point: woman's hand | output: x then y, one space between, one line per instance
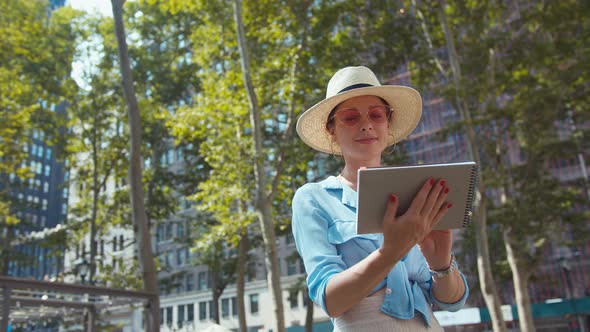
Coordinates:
415 226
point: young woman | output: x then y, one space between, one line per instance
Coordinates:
374 282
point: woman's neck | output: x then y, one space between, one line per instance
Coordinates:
349 173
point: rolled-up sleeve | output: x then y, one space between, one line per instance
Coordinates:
422 273
452 306
310 229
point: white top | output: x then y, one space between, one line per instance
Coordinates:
366 316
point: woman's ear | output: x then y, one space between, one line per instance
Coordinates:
332 132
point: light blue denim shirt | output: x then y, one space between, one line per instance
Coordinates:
324 227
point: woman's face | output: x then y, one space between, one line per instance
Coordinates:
361 127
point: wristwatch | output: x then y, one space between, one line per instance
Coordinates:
447 271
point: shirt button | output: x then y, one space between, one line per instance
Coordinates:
388 291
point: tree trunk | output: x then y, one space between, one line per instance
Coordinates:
262 201
520 277
241 280
216 295
95 193
308 312
144 246
520 273
488 287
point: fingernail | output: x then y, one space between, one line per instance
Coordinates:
431 182
442 182
450 205
446 190
392 198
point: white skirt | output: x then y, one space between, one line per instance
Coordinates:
366 316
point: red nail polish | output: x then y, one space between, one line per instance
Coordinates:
431 182
449 206
446 190
392 198
442 182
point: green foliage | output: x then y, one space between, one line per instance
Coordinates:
517 74
35 62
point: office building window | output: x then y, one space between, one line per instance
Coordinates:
169 316
180 230
224 308
171 155
202 280
291 266
234 306
169 258
190 312
180 315
211 309
190 282
47 170
293 299
202 310
169 231
253 303
160 233
161 316
189 256
180 256
251 271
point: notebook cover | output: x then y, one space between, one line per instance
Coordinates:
376 184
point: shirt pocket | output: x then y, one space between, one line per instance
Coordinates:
351 246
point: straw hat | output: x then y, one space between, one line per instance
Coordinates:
351 82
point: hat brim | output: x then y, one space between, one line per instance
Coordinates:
405 102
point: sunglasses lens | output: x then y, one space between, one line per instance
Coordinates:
351 116
378 114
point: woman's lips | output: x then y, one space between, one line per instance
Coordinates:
367 140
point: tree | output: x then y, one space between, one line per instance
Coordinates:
220 108
456 79
140 222
97 143
515 88
534 206
37 50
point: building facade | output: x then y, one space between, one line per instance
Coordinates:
43 201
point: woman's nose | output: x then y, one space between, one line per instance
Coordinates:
366 123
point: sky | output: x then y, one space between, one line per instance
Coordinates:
101 6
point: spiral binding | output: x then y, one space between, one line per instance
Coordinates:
470 197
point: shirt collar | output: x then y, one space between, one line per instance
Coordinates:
349 197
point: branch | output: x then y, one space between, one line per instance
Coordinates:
288 133
429 40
